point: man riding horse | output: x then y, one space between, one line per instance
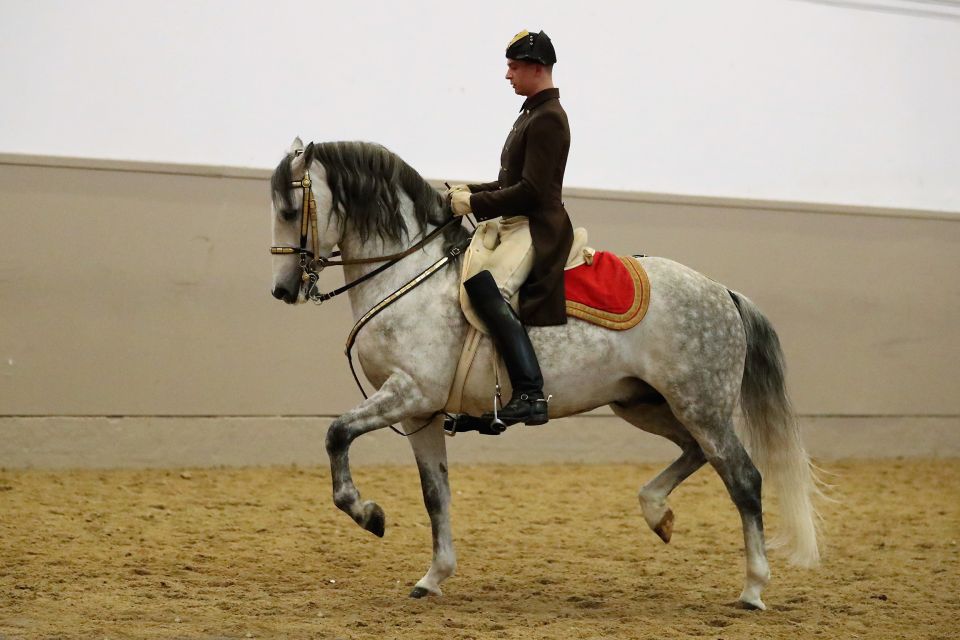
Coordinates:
527 197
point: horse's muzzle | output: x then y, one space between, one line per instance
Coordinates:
282 293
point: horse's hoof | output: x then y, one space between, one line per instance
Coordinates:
752 603
374 520
419 592
665 528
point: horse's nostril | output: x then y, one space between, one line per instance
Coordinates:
282 293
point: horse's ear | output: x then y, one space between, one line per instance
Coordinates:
308 152
296 146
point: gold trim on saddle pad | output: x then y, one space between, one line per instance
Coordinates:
619 321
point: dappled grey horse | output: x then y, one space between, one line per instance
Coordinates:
680 373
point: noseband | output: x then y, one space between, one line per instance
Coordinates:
311 263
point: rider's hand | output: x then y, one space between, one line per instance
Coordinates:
455 188
460 202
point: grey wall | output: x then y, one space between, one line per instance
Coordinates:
135 295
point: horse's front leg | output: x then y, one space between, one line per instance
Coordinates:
396 400
430 449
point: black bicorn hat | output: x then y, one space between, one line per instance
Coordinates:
535 47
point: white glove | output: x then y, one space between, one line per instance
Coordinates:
455 188
460 202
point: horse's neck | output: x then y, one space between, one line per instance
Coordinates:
364 296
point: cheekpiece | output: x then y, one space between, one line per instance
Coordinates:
534 47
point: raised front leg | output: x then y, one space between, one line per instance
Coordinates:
396 400
430 449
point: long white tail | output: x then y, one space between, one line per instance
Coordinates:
772 437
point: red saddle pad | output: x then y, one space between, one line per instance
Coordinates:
605 285
613 292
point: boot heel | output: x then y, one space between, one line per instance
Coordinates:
538 417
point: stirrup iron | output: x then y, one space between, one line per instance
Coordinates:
497 424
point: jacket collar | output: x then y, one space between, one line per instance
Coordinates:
537 99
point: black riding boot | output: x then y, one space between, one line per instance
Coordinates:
527 403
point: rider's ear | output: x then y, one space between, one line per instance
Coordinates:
296 146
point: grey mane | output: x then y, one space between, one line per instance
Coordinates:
364 178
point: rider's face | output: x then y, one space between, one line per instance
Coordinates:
522 75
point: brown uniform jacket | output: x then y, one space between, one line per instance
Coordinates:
530 183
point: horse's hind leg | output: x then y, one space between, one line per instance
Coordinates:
659 420
727 455
430 449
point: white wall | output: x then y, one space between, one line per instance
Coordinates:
774 99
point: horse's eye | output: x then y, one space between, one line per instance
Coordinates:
289 214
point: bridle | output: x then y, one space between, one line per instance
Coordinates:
311 263
308 221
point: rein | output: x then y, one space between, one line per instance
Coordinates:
393 297
386 302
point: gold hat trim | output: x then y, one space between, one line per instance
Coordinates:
518 37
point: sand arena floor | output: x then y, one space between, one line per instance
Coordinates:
544 552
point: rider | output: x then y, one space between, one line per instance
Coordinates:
527 195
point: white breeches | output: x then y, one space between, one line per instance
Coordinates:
512 259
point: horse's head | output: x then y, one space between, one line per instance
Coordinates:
293 230
363 198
